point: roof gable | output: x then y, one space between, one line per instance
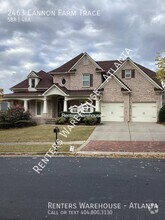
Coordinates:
71 64
119 81
55 90
33 74
149 74
90 58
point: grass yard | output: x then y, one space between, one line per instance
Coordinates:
32 148
44 133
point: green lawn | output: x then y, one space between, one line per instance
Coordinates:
44 133
32 148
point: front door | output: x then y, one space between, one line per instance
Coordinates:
60 106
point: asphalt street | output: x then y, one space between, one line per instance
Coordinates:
75 188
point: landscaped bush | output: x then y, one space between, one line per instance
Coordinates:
24 123
4 116
90 121
17 113
5 125
99 116
15 117
60 121
162 114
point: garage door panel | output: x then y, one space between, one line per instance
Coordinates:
144 112
112 111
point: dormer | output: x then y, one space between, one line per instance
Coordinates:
33 81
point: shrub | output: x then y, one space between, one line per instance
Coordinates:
99 116
24 123
60 121
17 113
14 114
5 125
11 116
162 114
90 121
4 116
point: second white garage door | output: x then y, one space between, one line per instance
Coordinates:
112 111
144 112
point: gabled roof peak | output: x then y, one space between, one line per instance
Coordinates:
32 74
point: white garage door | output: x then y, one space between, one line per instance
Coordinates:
112 111
144 112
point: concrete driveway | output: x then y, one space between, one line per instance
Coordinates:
132 131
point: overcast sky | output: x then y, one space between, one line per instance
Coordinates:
45 42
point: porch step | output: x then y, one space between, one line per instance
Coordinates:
50 121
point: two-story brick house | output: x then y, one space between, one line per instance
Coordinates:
132 93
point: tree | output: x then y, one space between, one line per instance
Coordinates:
160 63
1 95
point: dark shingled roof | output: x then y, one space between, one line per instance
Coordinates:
80 92
22 94
66 67
46 80
150 73
105 65
74 92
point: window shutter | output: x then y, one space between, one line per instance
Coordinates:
91 80
132 73
123 74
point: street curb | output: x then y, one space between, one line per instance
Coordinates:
121 154
118 152
89 154
32 154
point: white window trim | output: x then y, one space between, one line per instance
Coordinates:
128 77
86 81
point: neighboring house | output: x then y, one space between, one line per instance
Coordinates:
132 94
3 106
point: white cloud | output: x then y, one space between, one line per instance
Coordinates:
46 43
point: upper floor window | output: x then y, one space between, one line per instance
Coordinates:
33 84
128 73
63 81
86 80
